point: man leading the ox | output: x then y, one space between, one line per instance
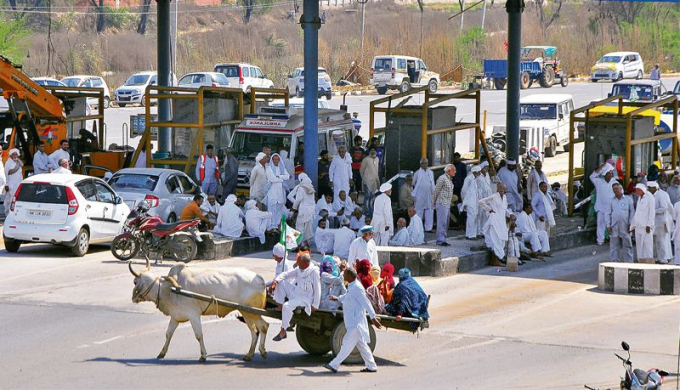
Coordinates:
307 292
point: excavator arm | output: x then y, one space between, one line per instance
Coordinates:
18 85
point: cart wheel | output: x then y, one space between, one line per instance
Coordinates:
313 342
336 342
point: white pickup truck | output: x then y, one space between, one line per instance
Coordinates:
549 112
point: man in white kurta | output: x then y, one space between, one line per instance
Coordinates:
41 161
14 175
663 223
276 196
3 178
60 153
325 202
340 172
676 233
285 288
257 222
383 221
364 247
62 169
343 206
343 240
307 292
416 231
602 179
643 224
211 209
510 177
496 228
423 192
618 218
469 194
324 238
540 244
355 307
302 197
258 178
544 208
401 237
483 191
230 219
534 178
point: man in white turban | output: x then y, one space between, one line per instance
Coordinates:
230 219
258 178
602 179
423 191
14 175
470 202
340 172
383 221
257 221
643 224
663 223
277 175
511 178
285 288
302 197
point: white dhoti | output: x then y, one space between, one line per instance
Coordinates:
427 215
539 240
471 222
662 244
482 216
382 238
351 340
277 210
644 243
282 291
287 311
601 227
544 227
677 252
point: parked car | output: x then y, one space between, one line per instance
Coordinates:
638 90
298 104
244 76
296 83
70 210
549 112
90 82
48 82
134 88
208 79
402 73
172 190
617 66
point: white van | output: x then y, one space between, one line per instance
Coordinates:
402 73
244 76
617 66
283 129
550 113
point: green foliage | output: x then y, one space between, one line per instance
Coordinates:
118 18
14 38
276 44
469 48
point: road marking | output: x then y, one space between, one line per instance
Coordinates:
83 346
107 340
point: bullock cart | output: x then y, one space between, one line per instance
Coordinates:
320 333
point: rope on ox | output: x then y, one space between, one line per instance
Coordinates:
213 300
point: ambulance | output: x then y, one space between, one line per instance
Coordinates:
282 128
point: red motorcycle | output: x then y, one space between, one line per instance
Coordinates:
149 234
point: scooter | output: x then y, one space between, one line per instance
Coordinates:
637 379
148 233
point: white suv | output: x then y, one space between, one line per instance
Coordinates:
617 66
70 210
244 76
401 73
90 82
296 83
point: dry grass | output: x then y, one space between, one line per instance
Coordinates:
275 43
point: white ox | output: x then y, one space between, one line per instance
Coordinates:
237 285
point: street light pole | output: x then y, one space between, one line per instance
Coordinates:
310 24
514 9
164 64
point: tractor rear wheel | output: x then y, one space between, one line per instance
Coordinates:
547 78
499 83
525 80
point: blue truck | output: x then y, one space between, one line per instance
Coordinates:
544 68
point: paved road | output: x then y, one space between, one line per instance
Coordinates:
69 323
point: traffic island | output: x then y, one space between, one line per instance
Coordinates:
637 278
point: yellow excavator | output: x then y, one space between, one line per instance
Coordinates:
31 114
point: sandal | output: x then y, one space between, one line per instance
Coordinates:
367 370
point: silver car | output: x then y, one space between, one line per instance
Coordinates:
208 79
170 189
296 83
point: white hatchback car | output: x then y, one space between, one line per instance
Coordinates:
70 210
244 76
208 79
296 83
170 189
90 82
618 66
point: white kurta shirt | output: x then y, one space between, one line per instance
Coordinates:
41 163
307 285
257 222
324 240
496 222
360 249
511 181
423 189
544 207
663 211
206 207
382 214
281 267
302 197
416 232
525 223
14 179
230 221
644 213
276 175
340 172
469 194
258 182
62 170
603 191
355 306
401 238
343 240
483 186
58 155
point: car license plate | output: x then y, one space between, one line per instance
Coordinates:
42 214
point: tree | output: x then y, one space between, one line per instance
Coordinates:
548 14
248 10
141 26
14 40
100 14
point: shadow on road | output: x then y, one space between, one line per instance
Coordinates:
49 250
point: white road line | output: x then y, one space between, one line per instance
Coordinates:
83 346
107 340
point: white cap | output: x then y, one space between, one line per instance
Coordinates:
606 169
511 162
15 150
279 250
652 184
385 187
260 156
476 168
230 199
640 186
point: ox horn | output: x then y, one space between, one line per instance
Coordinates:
148 263
131 270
